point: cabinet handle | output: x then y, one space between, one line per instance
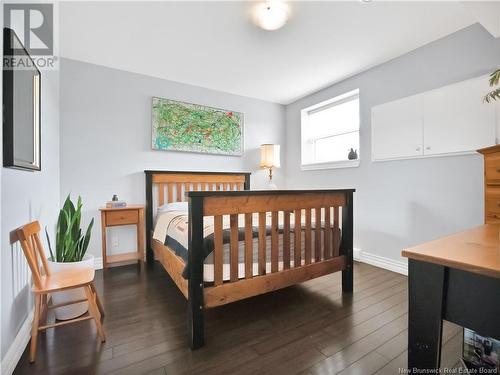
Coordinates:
498 170
428 147
417 149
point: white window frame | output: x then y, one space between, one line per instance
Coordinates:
340 99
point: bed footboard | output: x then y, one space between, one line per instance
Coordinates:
308 250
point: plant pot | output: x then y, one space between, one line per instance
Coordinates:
77 309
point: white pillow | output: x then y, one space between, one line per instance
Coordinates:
174 206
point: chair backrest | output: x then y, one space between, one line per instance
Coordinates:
29 236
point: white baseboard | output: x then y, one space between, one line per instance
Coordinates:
382 262
13 355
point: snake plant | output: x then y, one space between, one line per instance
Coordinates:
494 81
71 243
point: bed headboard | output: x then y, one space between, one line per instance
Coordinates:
171 186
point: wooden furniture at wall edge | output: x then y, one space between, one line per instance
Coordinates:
491 184
113 217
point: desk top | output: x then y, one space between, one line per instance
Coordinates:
474 250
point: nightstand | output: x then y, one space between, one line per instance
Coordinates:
112 217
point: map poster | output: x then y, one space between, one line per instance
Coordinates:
179 126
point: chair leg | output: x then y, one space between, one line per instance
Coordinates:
44 308
94 312
98 301
34 328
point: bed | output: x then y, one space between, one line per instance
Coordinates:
221 242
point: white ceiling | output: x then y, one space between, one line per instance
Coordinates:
215 45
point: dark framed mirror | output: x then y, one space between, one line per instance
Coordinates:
21 106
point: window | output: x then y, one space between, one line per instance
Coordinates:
328 132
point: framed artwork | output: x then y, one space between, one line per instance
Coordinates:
481 354
179 126
21 106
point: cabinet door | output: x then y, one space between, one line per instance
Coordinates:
397 129
456 119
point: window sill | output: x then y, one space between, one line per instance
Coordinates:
331 165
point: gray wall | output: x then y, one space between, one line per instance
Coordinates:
27 196
402 203
106 137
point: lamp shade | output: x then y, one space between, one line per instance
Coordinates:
269 156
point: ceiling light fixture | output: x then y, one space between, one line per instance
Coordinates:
271 15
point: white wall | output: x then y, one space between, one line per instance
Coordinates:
106 138
402 203
28 196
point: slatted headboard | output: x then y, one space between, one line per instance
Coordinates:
171 186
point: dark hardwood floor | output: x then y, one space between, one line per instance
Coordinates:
305 329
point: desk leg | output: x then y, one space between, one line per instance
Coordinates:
103 237
426 284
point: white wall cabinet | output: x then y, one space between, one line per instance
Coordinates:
399 129
449 120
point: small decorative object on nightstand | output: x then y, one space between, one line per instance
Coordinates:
115 203
112 217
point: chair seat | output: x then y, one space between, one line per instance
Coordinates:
65 280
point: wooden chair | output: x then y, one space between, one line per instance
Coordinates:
45 282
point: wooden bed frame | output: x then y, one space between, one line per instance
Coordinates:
222 193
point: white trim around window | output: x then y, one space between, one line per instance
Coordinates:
331 165
309 135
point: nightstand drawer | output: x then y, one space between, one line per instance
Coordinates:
122 217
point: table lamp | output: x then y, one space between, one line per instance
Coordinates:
270 158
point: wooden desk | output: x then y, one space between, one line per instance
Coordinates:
111 217
456 278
